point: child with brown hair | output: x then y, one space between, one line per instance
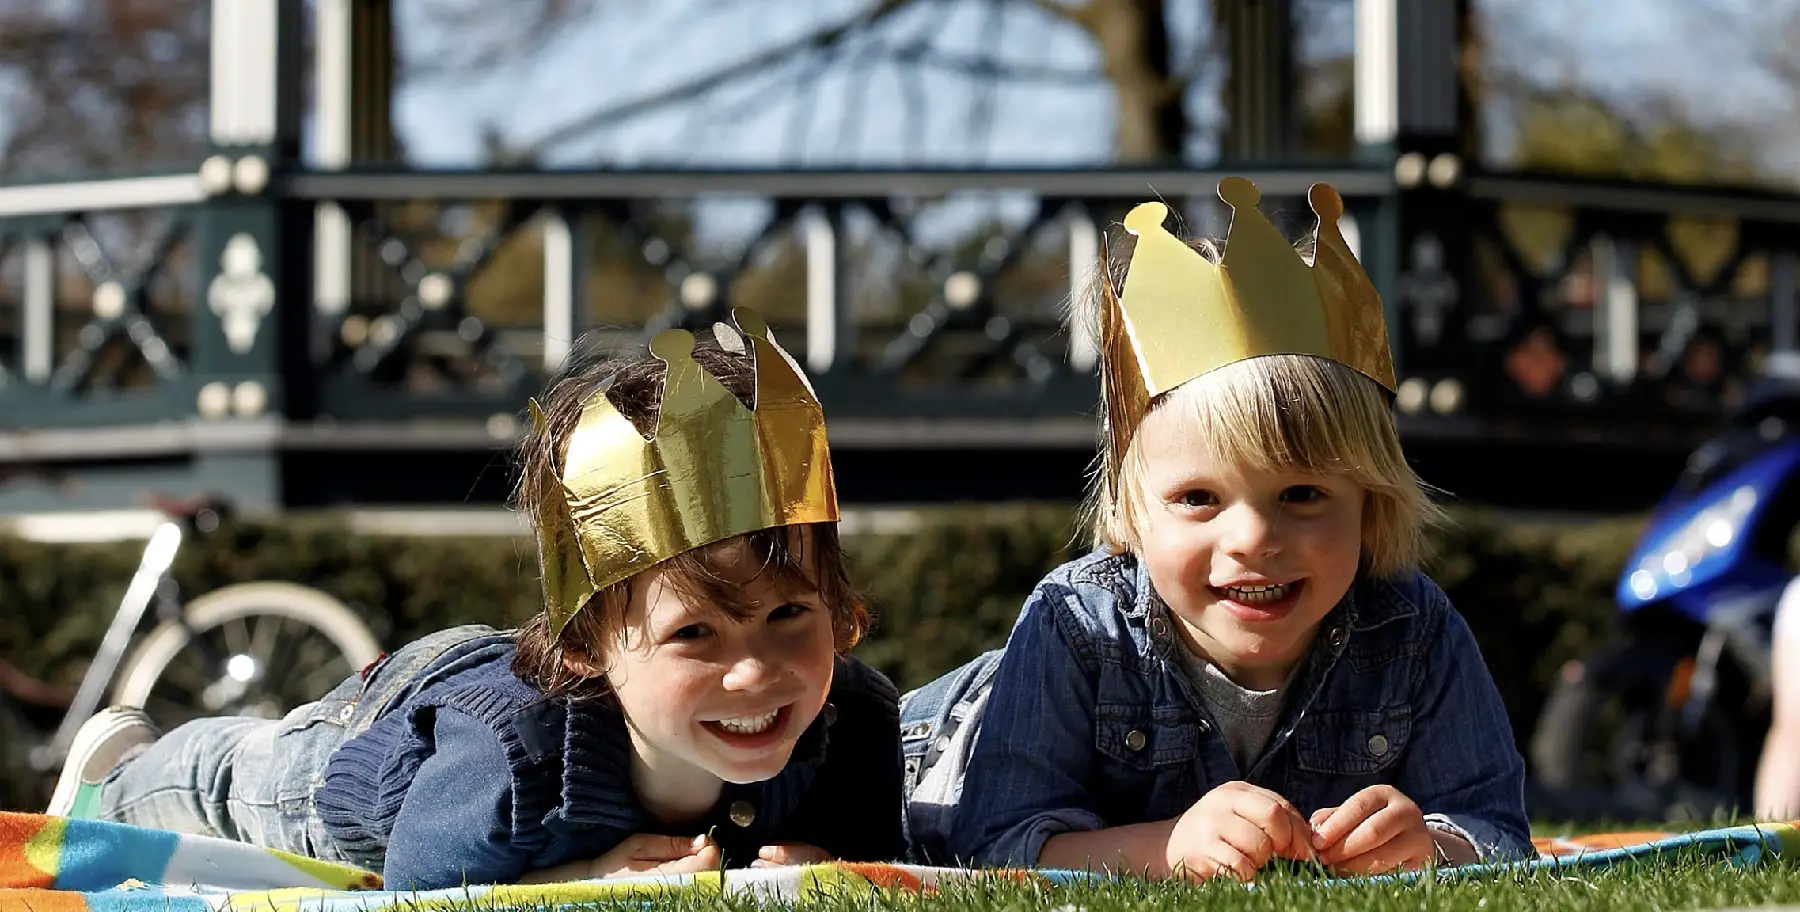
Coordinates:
684 701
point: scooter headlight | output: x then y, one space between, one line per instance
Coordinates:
1710 531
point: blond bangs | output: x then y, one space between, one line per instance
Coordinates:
1295 414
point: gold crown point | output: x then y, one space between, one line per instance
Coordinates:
1145 218
1239 193
751 322
1326 202
673 345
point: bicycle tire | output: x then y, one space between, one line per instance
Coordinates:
327 615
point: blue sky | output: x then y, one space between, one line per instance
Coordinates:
1638 53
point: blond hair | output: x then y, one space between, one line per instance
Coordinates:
1275 413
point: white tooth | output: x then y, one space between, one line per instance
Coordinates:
749 725
1256 594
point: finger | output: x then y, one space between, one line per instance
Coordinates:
1290 833
1246 837
1348 816
1320 816
1396 855
1220 859
657 848
706 859
793 853
1384 826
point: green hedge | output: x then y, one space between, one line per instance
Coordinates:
944 591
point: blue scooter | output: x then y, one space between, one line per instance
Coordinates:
1668 722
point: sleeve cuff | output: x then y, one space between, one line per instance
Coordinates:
1021 846
1491 843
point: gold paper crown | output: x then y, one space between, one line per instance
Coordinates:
1186 316
711 470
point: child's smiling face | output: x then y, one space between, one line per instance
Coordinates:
1249 560
709 695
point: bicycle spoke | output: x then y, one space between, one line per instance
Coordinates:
237 636
323 679
316 654
265 636
185 676
281 651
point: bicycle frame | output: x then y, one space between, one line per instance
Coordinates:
159 556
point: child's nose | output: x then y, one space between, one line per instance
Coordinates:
751 671
1249 533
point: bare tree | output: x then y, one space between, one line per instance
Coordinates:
100 86
1132 38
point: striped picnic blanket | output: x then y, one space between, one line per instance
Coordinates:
49 864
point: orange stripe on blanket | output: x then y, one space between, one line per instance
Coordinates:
1593 842
41 901
29 844
882 875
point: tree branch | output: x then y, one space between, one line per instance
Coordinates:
978 66
755 63
1082 15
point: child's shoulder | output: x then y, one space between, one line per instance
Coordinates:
1409 603
858 683
1098 579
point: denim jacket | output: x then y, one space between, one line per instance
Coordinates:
1085 720
460 772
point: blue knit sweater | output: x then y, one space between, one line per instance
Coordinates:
478 778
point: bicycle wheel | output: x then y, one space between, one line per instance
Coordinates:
255 649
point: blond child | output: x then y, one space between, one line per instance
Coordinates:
1249 666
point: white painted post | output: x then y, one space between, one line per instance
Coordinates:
1084 268
822 290
559 287
39 328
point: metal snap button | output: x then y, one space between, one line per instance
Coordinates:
830 714
1337 637
346 711
1203 725
1378 745
743 813
1134 740
1159 627
942 743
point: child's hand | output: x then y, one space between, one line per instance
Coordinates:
1234 830
1377 831
790 853
648 853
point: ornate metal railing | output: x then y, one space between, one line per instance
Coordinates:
273 326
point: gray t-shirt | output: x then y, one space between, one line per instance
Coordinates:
1246 717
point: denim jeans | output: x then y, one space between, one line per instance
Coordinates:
252 780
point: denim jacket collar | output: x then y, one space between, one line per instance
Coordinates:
1153 620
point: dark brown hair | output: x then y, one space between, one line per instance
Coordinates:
712 574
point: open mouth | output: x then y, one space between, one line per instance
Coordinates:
1267 602
1259 595
751 731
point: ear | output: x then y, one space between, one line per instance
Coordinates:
581 664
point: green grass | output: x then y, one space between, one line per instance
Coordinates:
1676 883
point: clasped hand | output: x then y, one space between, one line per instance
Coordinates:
1237 828
649 853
